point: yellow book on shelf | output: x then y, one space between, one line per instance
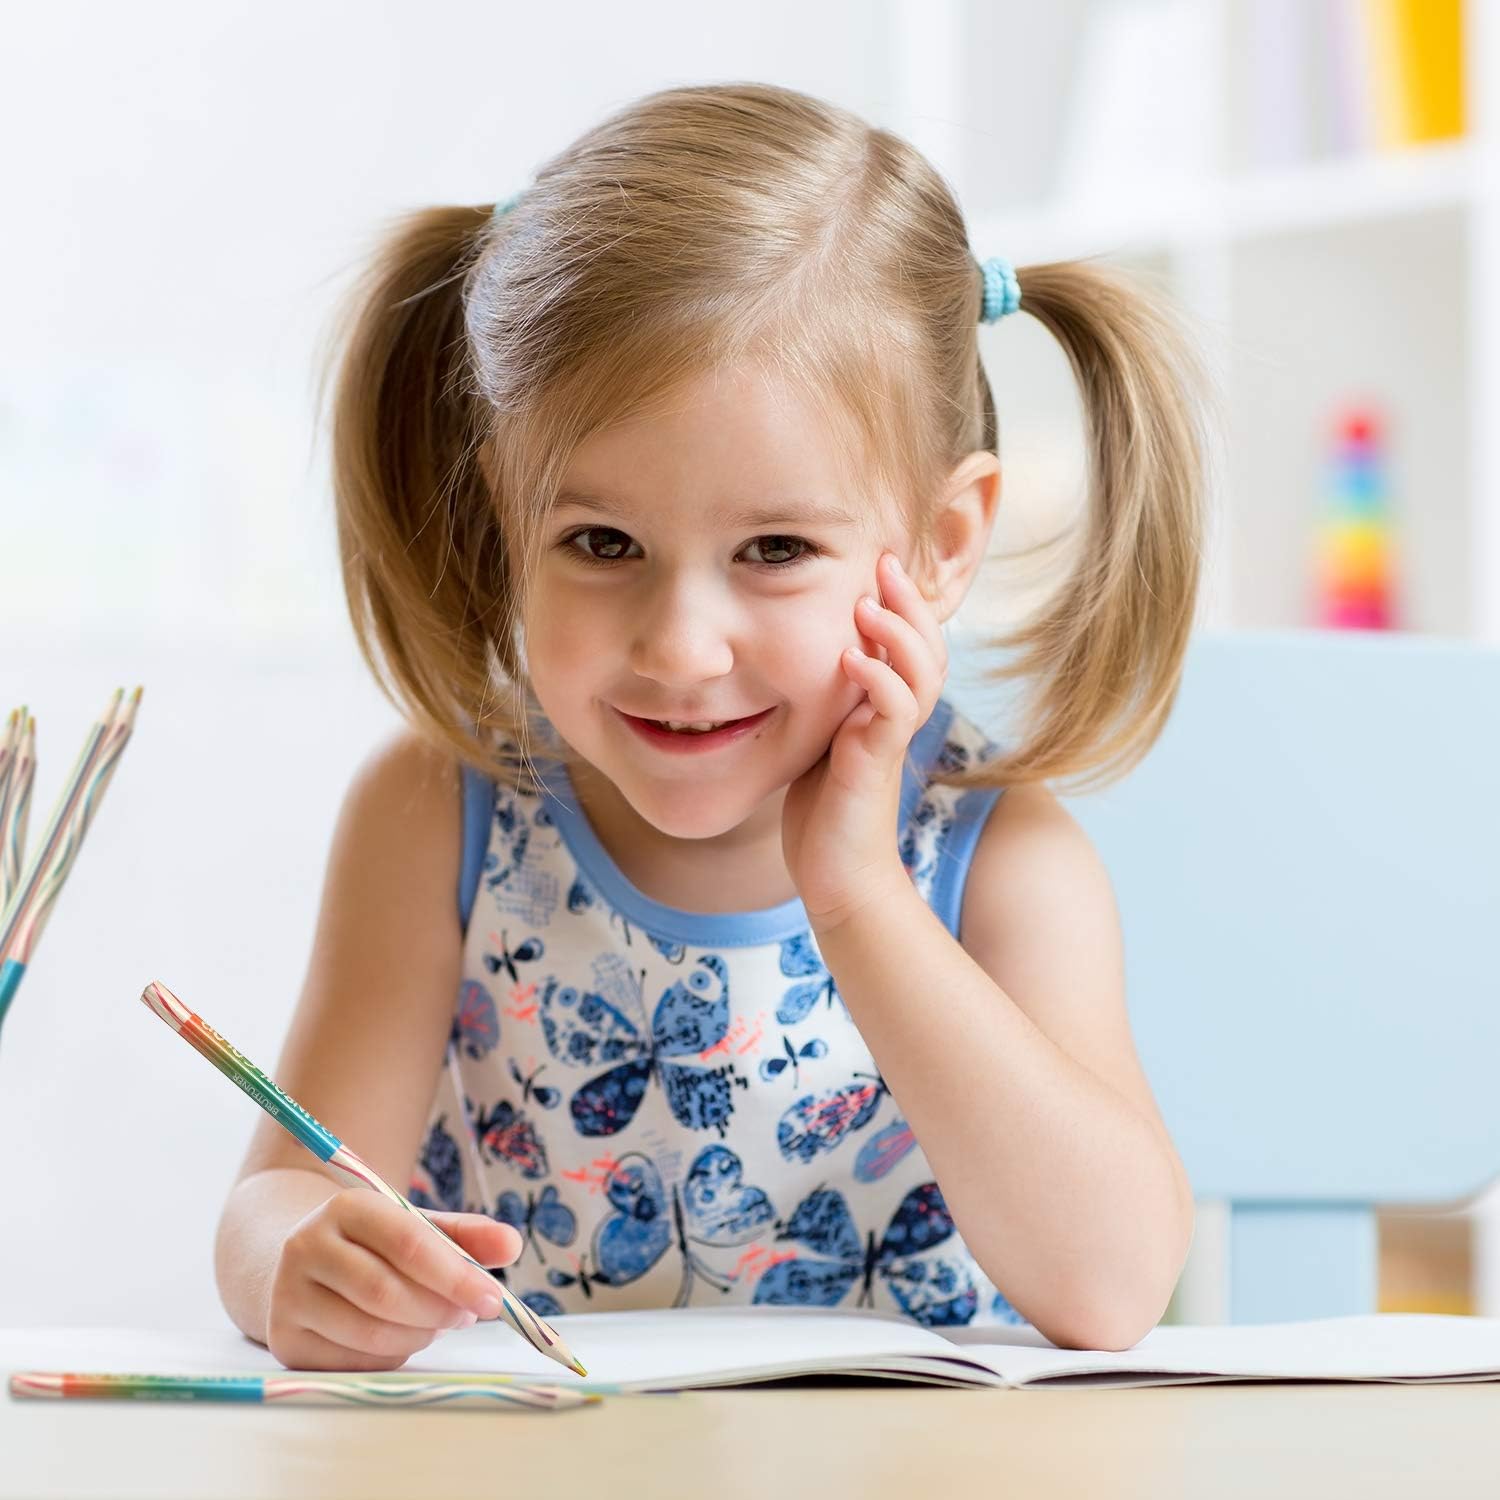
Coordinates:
1432 57
1416 56
1382 55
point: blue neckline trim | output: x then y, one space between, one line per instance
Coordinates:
717 929
479 808
970 814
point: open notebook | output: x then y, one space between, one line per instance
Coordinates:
679 1349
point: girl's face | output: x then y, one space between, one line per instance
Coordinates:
704 565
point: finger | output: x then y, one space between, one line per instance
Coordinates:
403 1239
341 1322
307 1349
865 623
898 591
908 651
897 712
490 1241
368 1281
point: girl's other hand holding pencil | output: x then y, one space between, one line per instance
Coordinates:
360 1284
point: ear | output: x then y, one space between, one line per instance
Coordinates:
961 532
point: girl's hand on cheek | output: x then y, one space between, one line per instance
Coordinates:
839 822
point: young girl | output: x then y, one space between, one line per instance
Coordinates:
685 952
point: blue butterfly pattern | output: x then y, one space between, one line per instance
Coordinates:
822 1122
936 1291
608 1025
476 1022
884 1151
443 1165
507 1135
521 885
544 1217
799 959
714 1208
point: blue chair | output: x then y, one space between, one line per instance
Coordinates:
1307 866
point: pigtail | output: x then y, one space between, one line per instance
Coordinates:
419 539
1104 653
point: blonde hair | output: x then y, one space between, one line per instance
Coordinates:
697 229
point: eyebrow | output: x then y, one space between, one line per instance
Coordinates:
806 513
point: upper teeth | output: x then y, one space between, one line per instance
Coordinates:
693 724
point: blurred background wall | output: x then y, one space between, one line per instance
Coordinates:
189 189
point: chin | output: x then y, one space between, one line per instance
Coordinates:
705 815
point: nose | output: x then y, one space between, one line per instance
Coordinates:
678 634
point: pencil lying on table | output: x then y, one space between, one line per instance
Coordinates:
328 1148
491 1393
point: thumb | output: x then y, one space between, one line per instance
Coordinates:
490 1242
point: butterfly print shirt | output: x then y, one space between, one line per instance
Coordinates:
676 1107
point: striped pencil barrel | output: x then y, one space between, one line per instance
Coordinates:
67 801
296 1388
28 928
17 771
328 1148
32 900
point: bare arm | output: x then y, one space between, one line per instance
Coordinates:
1020 1080
370 1027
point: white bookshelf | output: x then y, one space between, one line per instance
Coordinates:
1223 212
1309 285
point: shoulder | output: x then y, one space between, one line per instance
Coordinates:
1031 846
404 803
404 770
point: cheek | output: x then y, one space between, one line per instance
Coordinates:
561 637
809 636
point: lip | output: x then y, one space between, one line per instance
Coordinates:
694 744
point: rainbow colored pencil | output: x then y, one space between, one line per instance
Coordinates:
31 902
475 1392
329 1149
17 770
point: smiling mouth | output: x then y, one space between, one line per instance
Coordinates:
720 728
694 725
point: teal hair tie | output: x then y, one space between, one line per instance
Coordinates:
504 207
1002 292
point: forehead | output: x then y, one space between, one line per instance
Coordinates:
746 447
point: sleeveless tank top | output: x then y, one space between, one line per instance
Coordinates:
675 1107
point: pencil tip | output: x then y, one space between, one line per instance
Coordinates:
577 1368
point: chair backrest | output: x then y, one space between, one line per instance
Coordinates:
1307 866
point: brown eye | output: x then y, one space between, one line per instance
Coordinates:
612 547
779 551
607 544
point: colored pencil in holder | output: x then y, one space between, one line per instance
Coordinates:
330 1150
31 903
17 770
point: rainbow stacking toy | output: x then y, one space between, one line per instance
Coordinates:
1353 589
